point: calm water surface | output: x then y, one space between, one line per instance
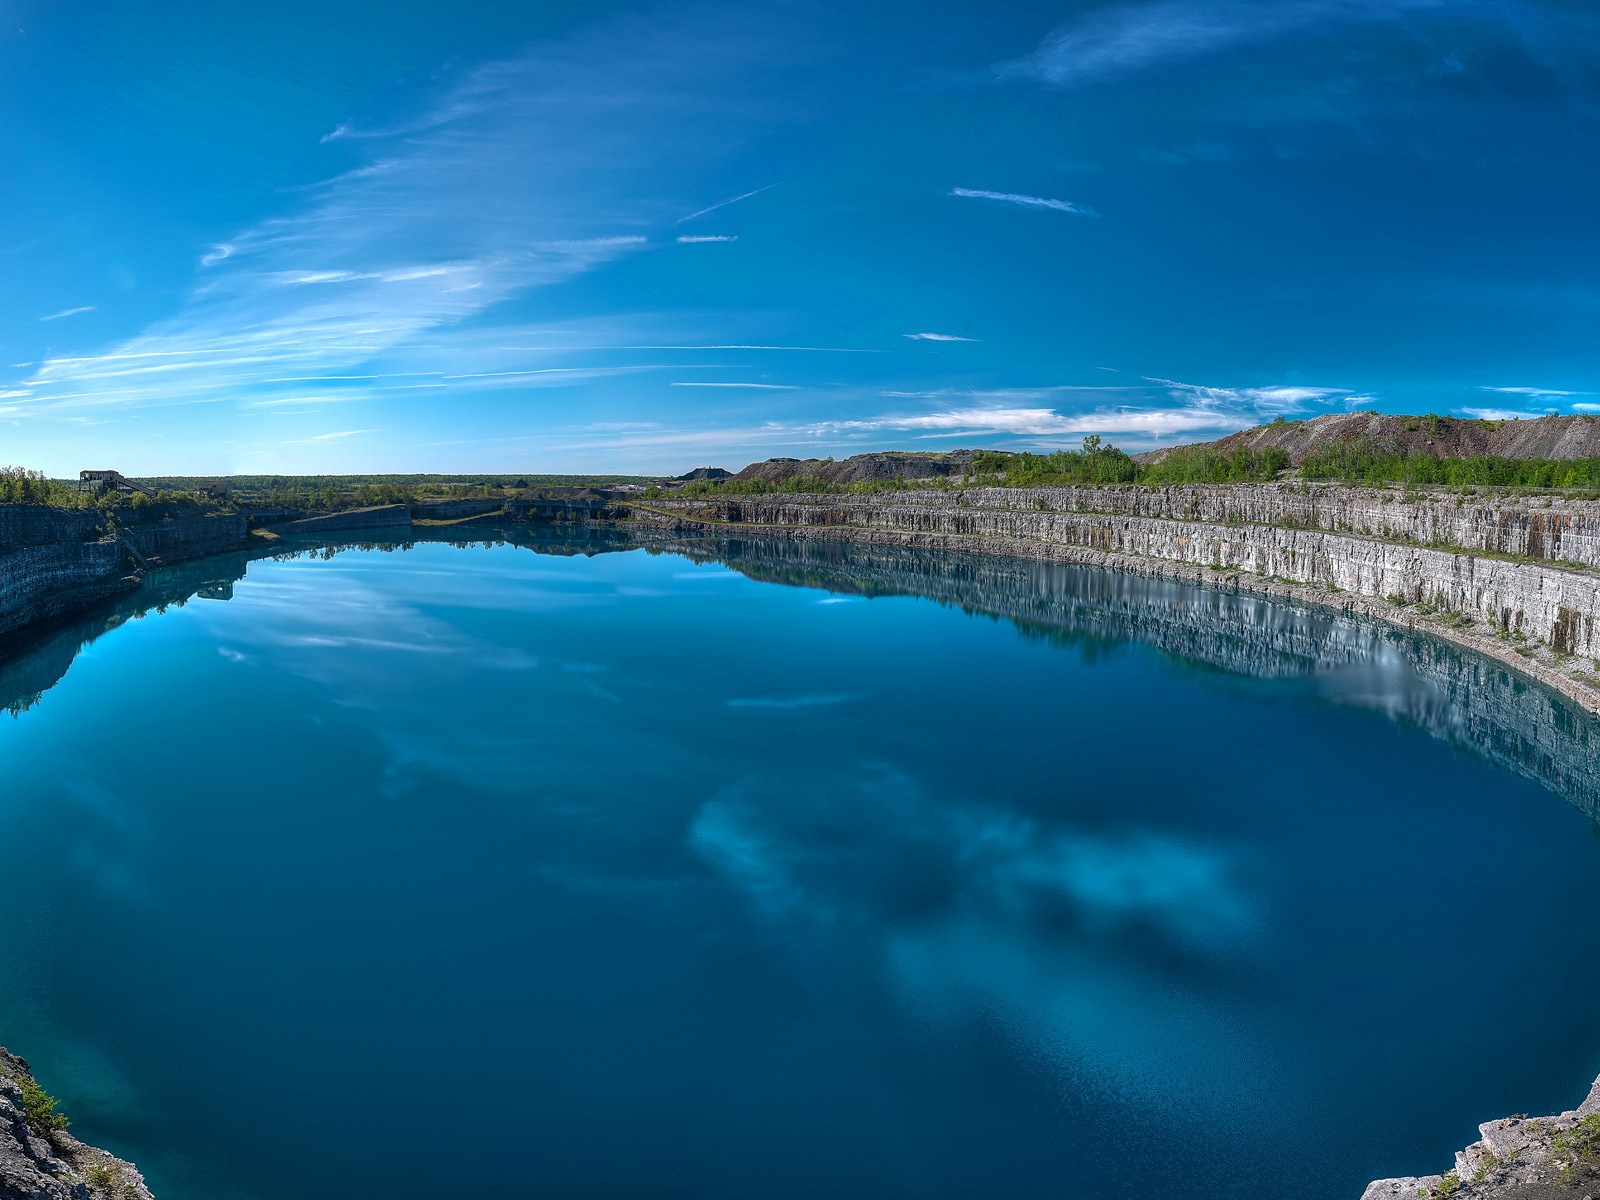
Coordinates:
479 871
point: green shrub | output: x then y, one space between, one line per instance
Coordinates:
1365 461
39 1110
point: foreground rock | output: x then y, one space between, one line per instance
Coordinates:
53 1165
1519 1158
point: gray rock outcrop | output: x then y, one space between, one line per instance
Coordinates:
1523 595
51 1164
1517 1158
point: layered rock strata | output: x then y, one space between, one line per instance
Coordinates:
1530 612
385 516
1461 699
54 562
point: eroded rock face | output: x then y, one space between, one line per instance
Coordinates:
1370 542
57 1167
54 562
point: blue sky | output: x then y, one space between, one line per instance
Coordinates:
412 236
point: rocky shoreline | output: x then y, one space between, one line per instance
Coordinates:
1516 1158
40 1161
1515 580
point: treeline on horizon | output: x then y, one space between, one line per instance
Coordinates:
18 485
1096 463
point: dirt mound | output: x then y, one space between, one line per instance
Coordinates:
1443 437
712 473
862 468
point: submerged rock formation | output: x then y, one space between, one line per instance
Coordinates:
1518 1158
40 1160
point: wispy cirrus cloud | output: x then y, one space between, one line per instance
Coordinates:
523 174
711 208
337 435
1043 202
987 420
1126 40
1271 400
766 387
69 312
1531 392
937 337
1143 415
691 239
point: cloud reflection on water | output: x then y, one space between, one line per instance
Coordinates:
1084 942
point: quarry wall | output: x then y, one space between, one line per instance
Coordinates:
1341 544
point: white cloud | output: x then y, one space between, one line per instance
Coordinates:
770 387
983 420
938 337
1065 206
1494 414
1275 399
1131 38
523 174
329 437
69 312
1533 392
724 203
699 239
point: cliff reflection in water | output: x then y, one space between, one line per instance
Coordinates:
1461 698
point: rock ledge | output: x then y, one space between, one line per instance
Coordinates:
58 1167
1518 1158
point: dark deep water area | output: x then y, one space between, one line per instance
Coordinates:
782 870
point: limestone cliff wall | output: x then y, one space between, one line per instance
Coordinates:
188 537
41 582
1459 698
1559 529
388 516
1269 531
36 525
55 561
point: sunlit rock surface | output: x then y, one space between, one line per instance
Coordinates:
56 1167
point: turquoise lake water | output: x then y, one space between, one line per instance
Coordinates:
493 870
